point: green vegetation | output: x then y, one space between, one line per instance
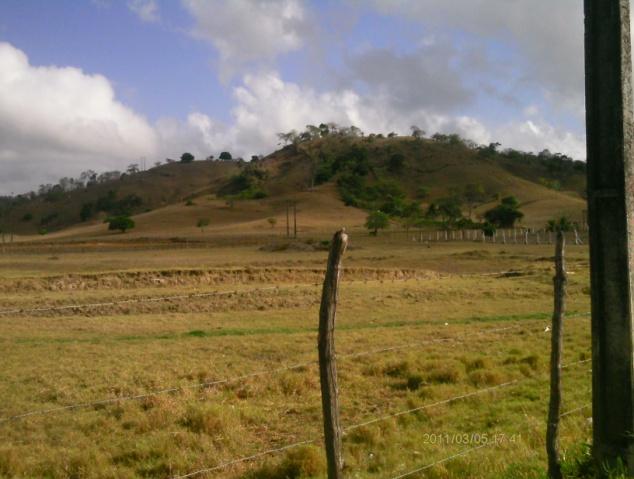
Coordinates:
377 220
248 184
202 223
121 223
560 224
187 157
505 214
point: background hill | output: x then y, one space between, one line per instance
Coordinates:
334 179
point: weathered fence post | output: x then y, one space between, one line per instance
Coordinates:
554 407
327 363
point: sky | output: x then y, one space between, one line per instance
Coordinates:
101 84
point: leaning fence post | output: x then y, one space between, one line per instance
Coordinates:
554 407
327 364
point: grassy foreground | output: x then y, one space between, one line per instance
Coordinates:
459 324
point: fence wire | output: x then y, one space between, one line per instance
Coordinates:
373 421
174 389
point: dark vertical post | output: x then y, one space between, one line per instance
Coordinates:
327 364
295 220
288 224
554 406
610 208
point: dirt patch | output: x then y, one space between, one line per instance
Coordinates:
199 277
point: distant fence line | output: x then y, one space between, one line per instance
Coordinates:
524 236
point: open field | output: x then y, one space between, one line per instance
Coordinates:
184 327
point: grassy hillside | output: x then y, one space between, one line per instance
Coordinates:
333 179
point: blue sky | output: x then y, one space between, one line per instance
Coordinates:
100 83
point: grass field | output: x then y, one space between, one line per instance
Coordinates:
461 319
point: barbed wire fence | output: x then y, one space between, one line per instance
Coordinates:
267 452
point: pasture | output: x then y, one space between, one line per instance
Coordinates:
189 356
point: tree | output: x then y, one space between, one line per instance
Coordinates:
187 157
377 220
559 224
449 209
417 132
473 196
505 214
226 156
132 169
121 223
272 221
86 211
202 222
395 163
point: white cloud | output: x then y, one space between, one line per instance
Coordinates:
146 10
545 37
247 31
267 105
56 121
537 135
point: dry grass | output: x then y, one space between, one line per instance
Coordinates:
51 359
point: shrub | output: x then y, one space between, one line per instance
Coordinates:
27 217
86 211
121 223
303 462
377 220
202 222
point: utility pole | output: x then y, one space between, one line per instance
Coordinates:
288 225
610 169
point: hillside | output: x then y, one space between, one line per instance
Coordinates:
334 180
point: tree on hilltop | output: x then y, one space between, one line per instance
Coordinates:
187 157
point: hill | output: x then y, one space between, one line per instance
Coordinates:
333 179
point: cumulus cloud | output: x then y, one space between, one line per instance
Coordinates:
537 135
546 38
57 121
247 31
60 120
426 78
146 10
267 105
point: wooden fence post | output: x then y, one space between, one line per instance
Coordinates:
554 407
327 363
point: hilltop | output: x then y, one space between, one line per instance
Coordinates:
334 179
